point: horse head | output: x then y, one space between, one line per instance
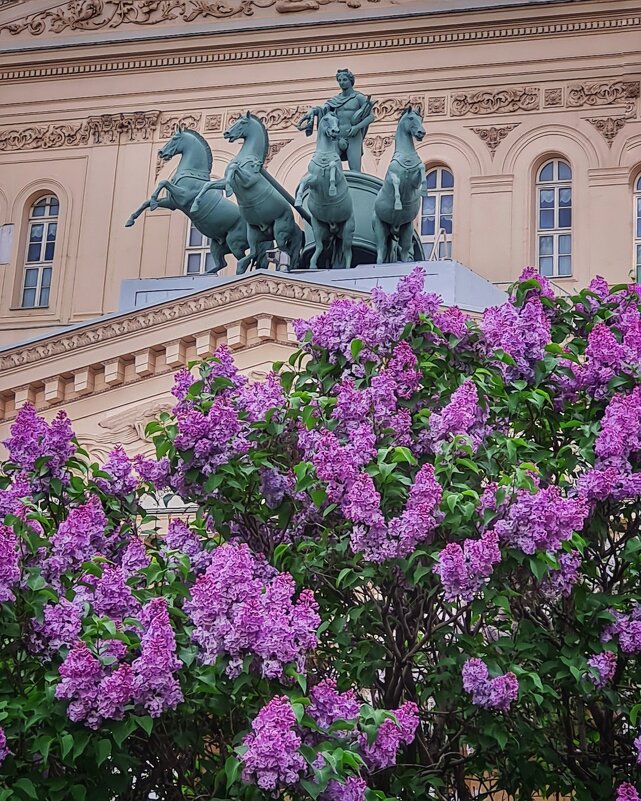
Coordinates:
412 121
238 129
173 146
328 124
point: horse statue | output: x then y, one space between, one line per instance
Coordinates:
329 201
217 218
399 199
268 214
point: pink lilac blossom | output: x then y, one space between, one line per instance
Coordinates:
112 597
9 563
626 792
60 627
242 607
605 665
352 789
4 749
272 759
154 685
81 673
328 705
559 582
464 570
521 333
461 416
497 693
78 538
122 480
115 691
391 735
33 438
541 521
184 540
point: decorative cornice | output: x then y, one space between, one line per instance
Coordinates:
277 118
486 102
494 135
176 309
539 30
170 122
106 129
95 15
391 107
602 93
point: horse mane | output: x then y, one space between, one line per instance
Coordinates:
262 125
204 143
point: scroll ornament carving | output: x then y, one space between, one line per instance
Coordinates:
378 144
392 106
523 98
94 15
213 122
603 93
276 147
169 123
127 429
494 135
275 119
105 129
608 127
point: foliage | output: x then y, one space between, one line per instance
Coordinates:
413 564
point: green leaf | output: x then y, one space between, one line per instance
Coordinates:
634 714
103 750
356 347
66 743
232 767
145 723
26 785
78 792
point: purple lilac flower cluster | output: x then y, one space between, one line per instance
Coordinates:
60 627
33 438
559 581
328 705
180 538
541 521
4 749
461 416
78 538
241 607
135 557
497 693
391 735
112 596
9 563
626 792
605 665
122 479
627 628
452 321
464 570
354 788
12 499
272 758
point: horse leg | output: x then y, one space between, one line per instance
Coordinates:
405 242
298 200
210 185
322 238
381 235
288 237
153 199
261 254
218 251
165 203
348 238
236 239
254 235
398 206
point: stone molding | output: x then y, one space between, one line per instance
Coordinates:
275 148
325 48
169 123
499 101
378 145
601 93
608 127
494 135
135 126
278 118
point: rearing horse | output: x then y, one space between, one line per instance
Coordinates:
329 202
399 199
218 218
268 215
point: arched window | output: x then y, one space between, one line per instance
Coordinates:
637 228
198 259
39 252
437 212
554 218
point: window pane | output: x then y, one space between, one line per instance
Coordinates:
31 278
427 226
546 198
565 265
638 258
446 223
429 205
193 263
33 252
565 245
546 245
36 233
51 231
44 296
54 207
49 249
546 219
29 298
46 277
565 218
447 179
565 173
565 197
638 185
546 266
547 172
447 204
445 250
430 180
195 238
638 227
38 209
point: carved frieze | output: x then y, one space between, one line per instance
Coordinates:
94 15
602 93
436 105
608 127
391 107
494 135
170 122
278 118
213 123
106 129
378 144
522 98
553 97
274 148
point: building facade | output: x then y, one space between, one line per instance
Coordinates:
532 155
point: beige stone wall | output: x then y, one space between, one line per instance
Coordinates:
503 89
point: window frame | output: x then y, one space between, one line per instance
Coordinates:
40 265
636 227
438 192
201 250
561 236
